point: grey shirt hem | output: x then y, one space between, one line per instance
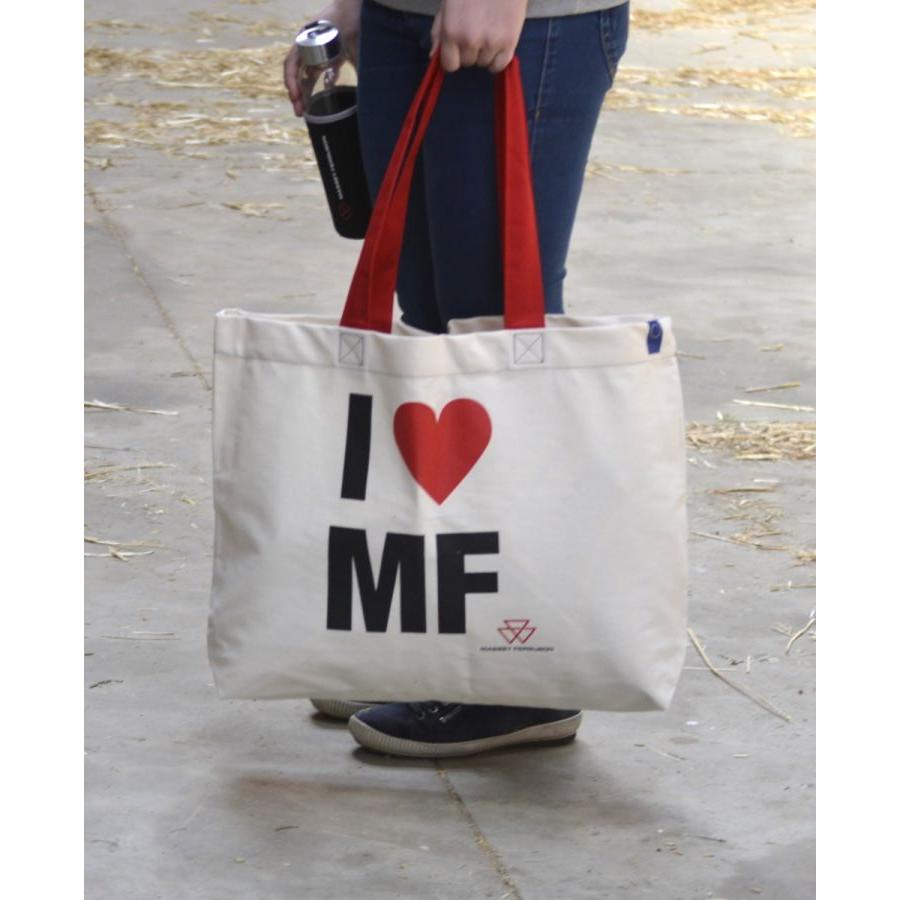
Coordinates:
537 9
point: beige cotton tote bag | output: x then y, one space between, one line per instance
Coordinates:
495 515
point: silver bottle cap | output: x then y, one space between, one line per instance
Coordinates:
319 42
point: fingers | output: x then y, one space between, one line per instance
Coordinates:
461 53
450 56
449 49
292 79
501 61
468 54
455 56
485 57
460 50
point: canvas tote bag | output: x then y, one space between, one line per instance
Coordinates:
495 515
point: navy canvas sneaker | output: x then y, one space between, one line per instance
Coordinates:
435 729
342 709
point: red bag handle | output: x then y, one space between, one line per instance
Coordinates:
370 300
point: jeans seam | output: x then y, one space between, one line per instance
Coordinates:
607 43
542 81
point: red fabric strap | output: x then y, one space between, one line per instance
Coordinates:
370 300
523 286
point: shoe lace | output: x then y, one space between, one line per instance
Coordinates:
443 712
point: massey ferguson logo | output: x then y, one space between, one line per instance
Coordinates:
516 634
517 631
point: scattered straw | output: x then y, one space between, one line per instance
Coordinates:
118 25
767 405
745 540
122 555
756 440
787 385
216 18
756 698
173 128
752 539
596 169
720 14
795 637
120 407
265 28
791 93
799 122
799 84
666 754
94 540
256 210
251 71
109 470
142 636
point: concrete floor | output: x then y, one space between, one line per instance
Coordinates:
706 219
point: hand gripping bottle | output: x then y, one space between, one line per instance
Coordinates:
328 88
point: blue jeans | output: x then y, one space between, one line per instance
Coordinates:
450 266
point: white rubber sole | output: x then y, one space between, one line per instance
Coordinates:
372 739
341 709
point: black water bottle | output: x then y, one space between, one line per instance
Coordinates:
328 88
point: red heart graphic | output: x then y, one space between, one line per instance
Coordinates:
440 452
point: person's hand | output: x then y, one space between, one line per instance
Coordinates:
476 33
344 15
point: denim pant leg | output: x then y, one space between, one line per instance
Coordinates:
392 63
450 266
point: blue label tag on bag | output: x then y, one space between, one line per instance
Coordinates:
654 336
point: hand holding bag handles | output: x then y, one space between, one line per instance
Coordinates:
371 297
